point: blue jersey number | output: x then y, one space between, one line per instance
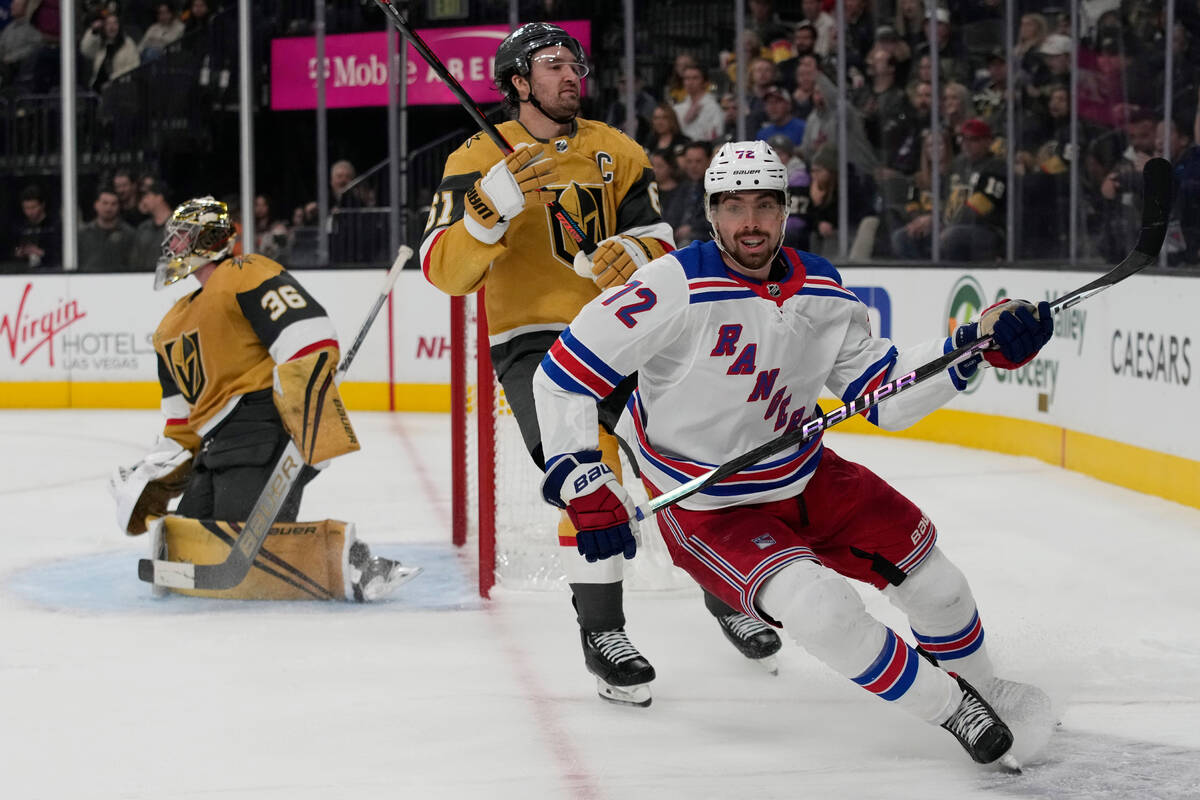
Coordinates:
625 313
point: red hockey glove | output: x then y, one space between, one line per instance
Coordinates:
599 507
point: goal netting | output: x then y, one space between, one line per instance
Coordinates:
497 506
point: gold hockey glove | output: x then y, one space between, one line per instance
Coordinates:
613 262
506 189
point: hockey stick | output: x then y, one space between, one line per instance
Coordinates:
243 551
1155 203
582 240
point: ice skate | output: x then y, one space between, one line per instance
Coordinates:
622 673
376 577
1027 711
978 729
755 640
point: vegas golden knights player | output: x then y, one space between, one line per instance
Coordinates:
488 228
245 362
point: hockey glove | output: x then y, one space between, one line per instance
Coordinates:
613 261
144 489
1018 330
599 507
505 190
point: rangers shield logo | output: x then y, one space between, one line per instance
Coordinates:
764 541
186 365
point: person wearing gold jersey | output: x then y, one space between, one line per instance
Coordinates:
245 362
489 229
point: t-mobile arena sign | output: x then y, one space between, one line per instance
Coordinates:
356 67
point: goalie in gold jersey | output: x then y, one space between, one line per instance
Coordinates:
245 362
488 228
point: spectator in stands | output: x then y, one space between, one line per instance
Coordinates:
672 197
1183 230
822 216
805 84
772 31
270 234
37 238
617 115
664 132
956 105
106 243
860 31
764 74
910 23
752 48
795 233
700 116
822 22
900 135
1056 65
148 237
889 41
341 175
780 119
19 43
109 50
696 157
674 91
977 199
882 99
1030 36
198 17
990 95
912 225
128 195
821 127
804 40
952 53
166 30
729 108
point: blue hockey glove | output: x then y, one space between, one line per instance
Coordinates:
1018 330
599 507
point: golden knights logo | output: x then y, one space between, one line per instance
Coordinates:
186 365
585 204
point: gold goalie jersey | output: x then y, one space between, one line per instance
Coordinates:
606 185
223 341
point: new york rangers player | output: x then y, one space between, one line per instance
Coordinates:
733 341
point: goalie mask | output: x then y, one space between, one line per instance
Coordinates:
198 232
745 167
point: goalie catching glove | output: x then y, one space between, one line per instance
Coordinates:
613 262
143 490
507 188
1019 330
599 507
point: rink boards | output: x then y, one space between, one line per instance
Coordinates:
1111 396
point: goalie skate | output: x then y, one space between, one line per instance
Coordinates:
755 640
622 673
1027 711
376 577
978 729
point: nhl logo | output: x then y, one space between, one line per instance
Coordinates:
561 145
774 290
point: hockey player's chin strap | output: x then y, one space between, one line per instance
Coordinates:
776 267
533 101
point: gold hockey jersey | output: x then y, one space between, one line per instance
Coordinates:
223 340
606 184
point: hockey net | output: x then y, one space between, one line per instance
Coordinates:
496 502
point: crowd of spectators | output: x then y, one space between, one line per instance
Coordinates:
790 50
789 53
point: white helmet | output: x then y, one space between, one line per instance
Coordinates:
744 167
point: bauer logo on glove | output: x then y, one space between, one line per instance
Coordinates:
517 180
599 507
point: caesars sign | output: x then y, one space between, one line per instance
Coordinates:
356 68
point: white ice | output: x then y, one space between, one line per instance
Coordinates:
105 692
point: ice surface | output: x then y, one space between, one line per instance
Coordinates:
105 692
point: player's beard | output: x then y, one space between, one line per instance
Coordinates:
752 258
562 105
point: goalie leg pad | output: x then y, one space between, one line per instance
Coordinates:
298 560
311 407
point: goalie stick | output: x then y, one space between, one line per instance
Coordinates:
243 551
576 232
1155 206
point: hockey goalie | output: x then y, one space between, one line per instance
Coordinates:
246 364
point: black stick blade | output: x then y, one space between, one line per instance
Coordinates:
1156 205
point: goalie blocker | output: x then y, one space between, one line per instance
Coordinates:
321 560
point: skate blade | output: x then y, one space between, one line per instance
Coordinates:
399 576
768 663
1008 763
636 695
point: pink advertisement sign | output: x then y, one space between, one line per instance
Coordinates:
356 67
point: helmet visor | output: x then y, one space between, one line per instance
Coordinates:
556 61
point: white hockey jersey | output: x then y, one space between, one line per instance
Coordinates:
725 363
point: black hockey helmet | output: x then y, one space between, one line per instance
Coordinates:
514 53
